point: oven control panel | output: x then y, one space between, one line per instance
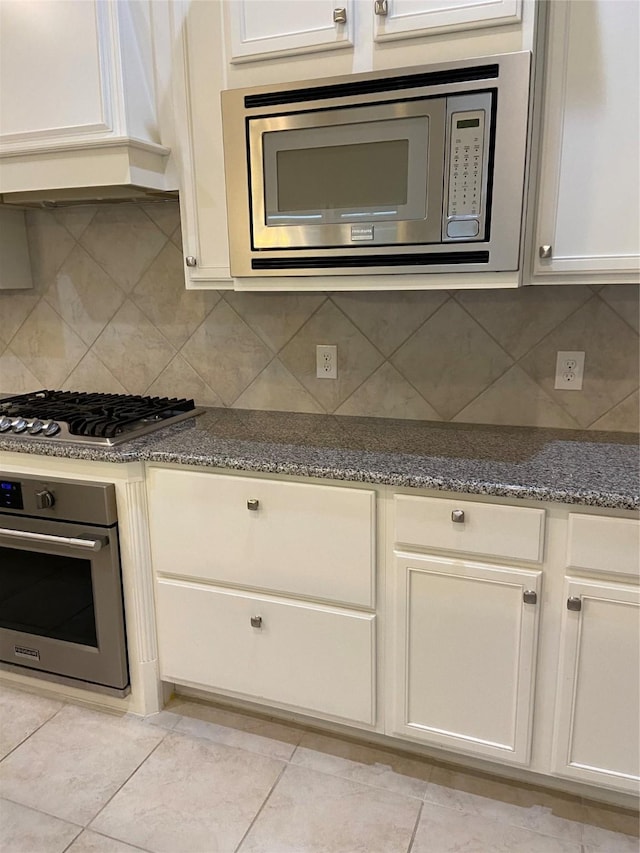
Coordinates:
11 495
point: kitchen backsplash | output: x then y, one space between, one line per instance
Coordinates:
109 312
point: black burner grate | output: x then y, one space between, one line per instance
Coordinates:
102 415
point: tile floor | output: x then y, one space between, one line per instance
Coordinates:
198 778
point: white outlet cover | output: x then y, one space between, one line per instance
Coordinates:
326 362
569 370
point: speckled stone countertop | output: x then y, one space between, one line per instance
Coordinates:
587 468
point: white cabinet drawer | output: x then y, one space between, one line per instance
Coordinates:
489 529
604 544
308 540
312 657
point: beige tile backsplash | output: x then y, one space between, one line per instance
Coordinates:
109 312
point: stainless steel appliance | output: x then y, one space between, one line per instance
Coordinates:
61 607
412 170
102 420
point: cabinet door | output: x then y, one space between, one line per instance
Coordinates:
598 707
306 656
465 656
260 30
588 213
198 78
395 19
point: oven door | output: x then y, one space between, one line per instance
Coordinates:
61 608
368 175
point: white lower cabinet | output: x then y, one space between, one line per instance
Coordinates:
265 589
597 735
466 639
316 658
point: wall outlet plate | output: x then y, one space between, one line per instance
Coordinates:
569 370
326 362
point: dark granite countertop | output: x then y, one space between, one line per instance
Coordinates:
576 467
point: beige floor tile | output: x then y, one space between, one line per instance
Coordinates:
378 767
244 731
20 715
311 812
549 814
92 842
73 764
606 841
24 830
443 830
191 795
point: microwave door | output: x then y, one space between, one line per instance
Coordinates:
341 177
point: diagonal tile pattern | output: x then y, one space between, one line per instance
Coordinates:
109 312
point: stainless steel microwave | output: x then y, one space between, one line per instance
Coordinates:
418 170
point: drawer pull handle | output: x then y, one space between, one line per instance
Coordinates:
256 621
457 516
253 504
530 596
574 602
340 16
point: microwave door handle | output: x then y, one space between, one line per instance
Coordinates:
88 543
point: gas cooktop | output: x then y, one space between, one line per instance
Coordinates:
102 420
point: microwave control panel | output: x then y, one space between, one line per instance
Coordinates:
467 151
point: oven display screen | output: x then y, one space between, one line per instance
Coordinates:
10 495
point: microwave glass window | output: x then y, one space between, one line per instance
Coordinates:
338 177
48 595
346 173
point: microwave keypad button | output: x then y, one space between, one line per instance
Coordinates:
463 228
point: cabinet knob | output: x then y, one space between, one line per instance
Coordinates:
256 621
253 504
530 596
340 16
191 261
574 602
457 516
381 8
545 252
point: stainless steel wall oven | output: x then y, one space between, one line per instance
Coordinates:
61 605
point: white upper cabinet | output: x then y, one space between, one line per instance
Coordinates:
356 31
587 227
395 19
260 30
198 77
77 85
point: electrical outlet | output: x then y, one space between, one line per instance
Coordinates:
327 362
569 371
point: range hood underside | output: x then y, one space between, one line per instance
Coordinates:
112 172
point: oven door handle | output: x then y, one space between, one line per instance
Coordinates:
89 543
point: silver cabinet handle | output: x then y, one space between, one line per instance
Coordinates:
457 516
340 16
545 252
191 261
381 8
89 543
530 596
574 602
253 504
256 621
